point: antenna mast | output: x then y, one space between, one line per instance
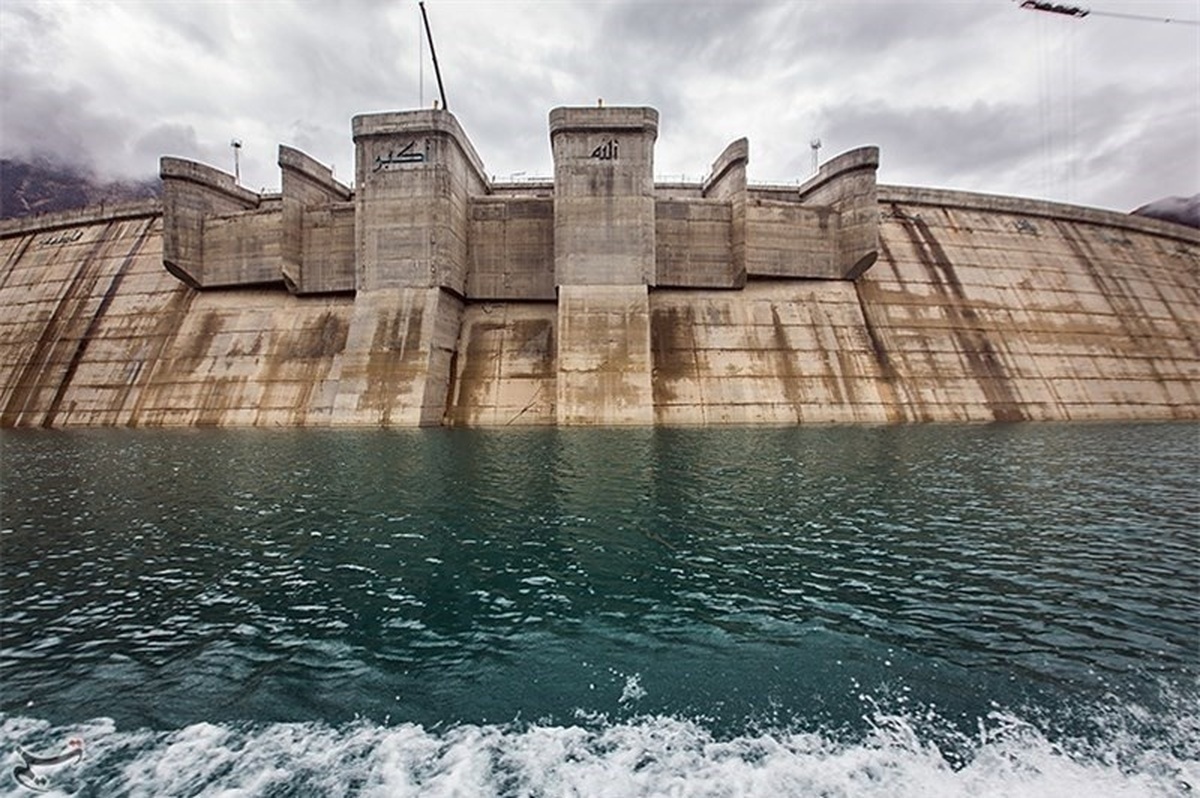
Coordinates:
433 52
236 144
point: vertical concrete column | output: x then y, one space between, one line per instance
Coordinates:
192 194
847 184
604 262
603 195
309 185
727 181
415 173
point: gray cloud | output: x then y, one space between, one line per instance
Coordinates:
975 95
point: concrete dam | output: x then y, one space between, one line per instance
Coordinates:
431 294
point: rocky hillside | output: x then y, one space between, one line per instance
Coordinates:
27 189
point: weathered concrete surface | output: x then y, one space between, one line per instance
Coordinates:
316 231
506 370
431 295
96 333
415 175
221 234
979 308
775 353
604 195
512 249
994 308
604 355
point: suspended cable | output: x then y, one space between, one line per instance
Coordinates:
1080 13
1145 18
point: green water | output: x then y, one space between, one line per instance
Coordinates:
426 603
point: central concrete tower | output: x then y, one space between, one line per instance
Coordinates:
604 262
603 195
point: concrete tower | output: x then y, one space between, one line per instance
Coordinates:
604 261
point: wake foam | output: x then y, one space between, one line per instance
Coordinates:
899 755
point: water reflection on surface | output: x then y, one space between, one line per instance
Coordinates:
168 577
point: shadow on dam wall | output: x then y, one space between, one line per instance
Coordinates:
976 309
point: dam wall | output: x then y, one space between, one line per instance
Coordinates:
430 295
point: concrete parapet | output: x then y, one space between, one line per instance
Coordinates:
309 181
637 119
427 121
209 241
317 228
221 189
47 223
604 363
727 181
416 172
847 185
1023 207
512 249
694 244
604 195
728 175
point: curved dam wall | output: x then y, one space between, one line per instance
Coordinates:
432 295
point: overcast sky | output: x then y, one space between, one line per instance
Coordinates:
975 94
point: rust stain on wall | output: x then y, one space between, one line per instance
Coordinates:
887 369
477 378
14 257
534 343
160 341
301 363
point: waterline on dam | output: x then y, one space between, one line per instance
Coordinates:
957 610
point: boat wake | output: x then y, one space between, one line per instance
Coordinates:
1126 753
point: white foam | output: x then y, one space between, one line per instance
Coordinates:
633 690
652 755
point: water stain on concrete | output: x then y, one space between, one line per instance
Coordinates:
672 351
56 341
789 374
887 386
94 324
981 358
394 362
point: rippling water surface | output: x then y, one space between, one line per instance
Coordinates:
932 610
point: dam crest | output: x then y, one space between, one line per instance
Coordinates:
432 294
